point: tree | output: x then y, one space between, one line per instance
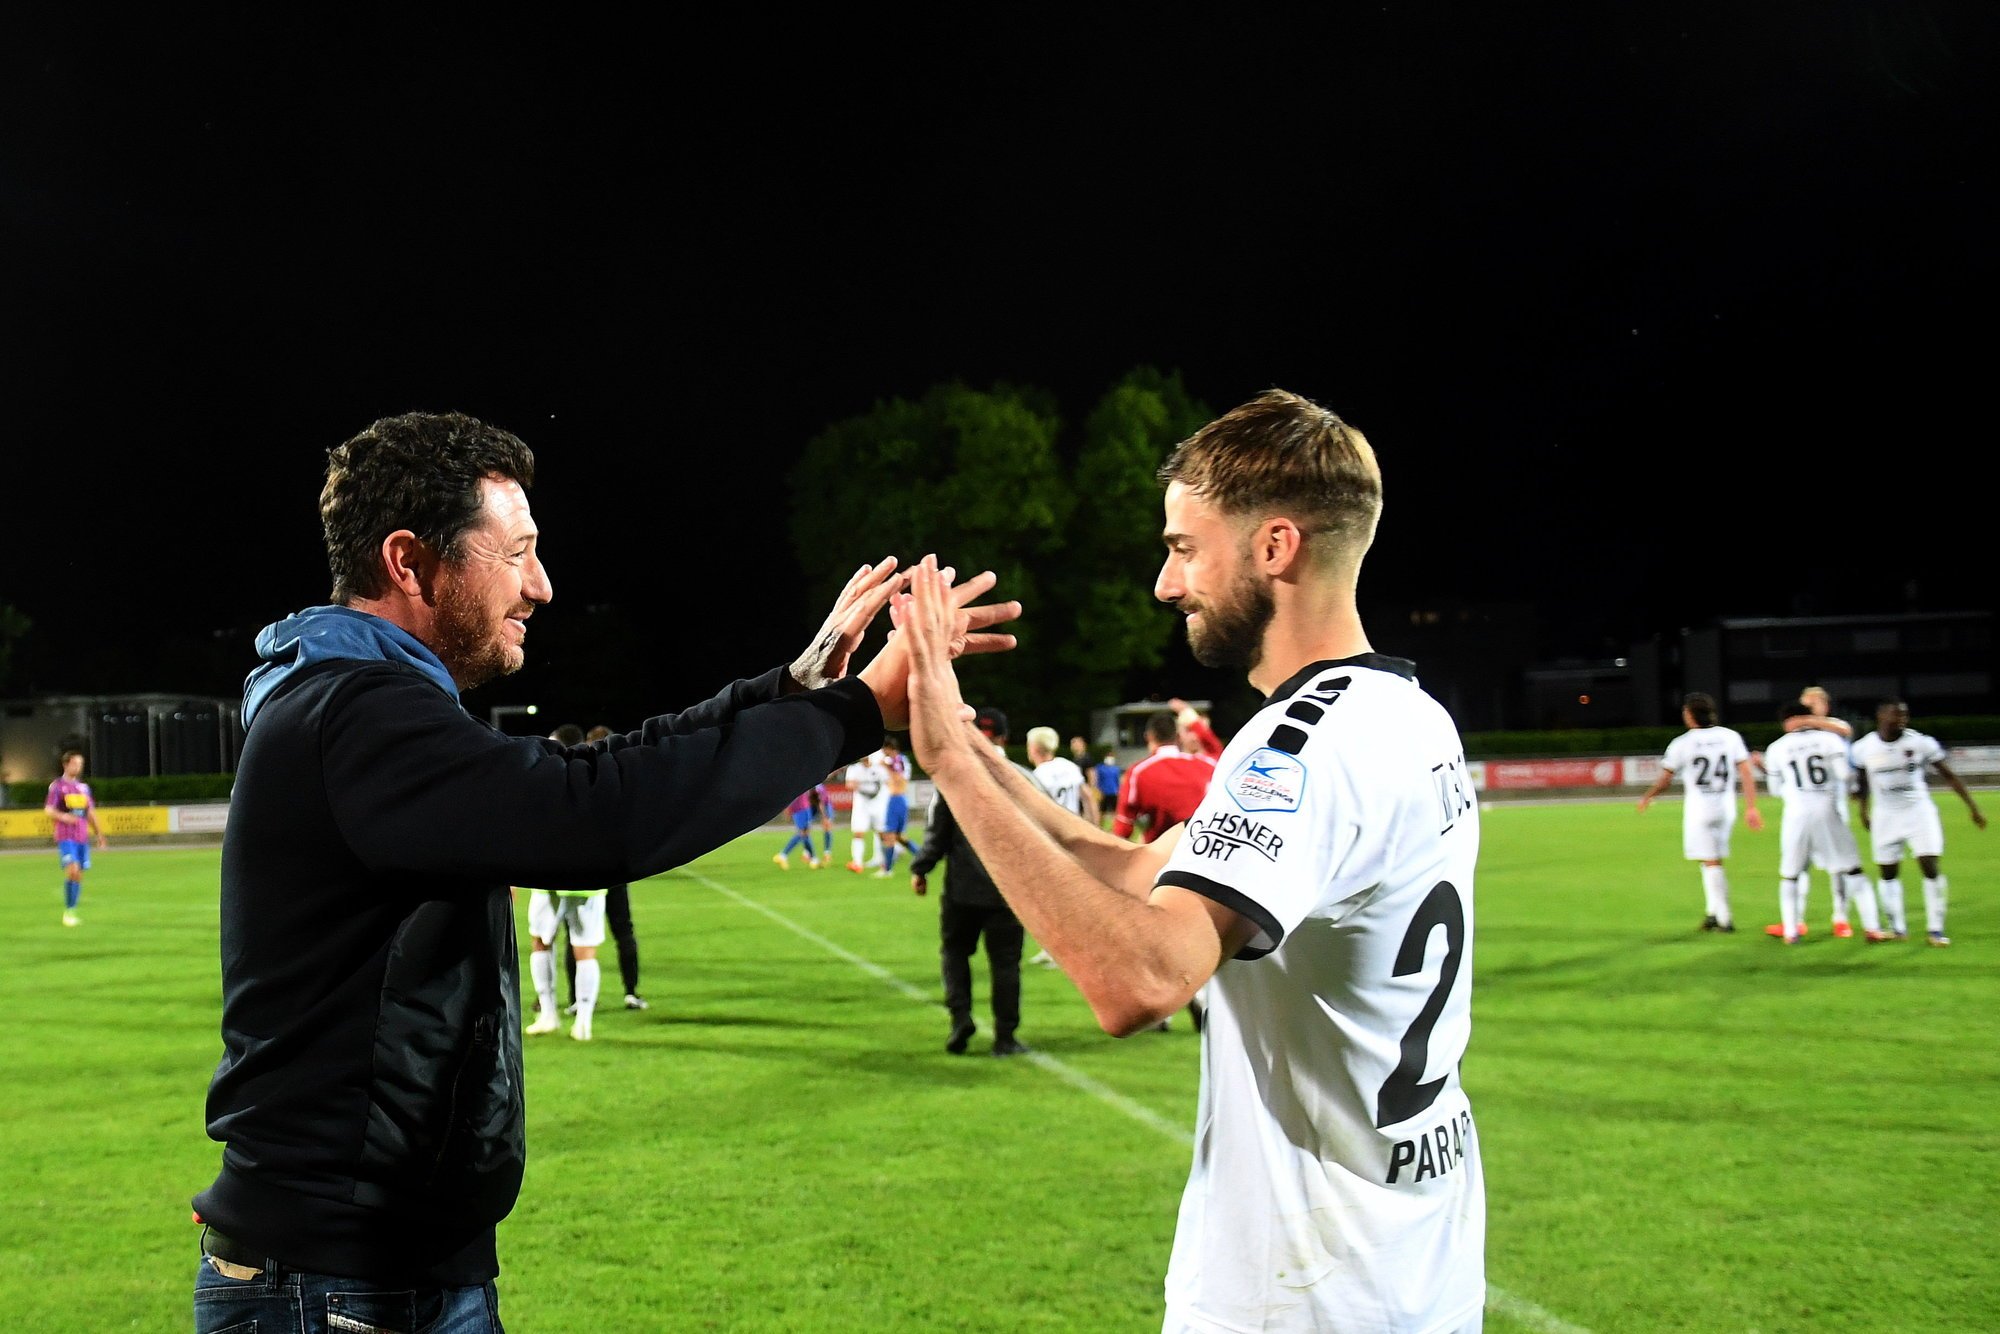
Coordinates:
976 476
1104 585
972 475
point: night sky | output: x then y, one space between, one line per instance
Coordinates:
1654 314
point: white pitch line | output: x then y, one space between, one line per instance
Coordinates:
1499 1302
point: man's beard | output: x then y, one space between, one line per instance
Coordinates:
467 644
1231 634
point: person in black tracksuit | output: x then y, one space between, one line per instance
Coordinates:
971 908
368 1099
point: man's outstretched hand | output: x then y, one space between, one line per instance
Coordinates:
957 628
825 659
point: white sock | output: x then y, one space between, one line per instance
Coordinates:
1862 894
586 988
1837 886
1892 905
859 850
1934 896
1791 906
542 968
1715 888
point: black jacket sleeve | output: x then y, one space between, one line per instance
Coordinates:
419 786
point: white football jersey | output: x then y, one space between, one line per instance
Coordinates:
1063 781
1808 764
1706 759
1336 1181
1898 771
867 776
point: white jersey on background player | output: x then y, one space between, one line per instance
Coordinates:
1342 823
868 784
1708 758
1903 819
1809 771
1893 765
1063 781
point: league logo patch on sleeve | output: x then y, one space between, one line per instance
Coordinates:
1267 780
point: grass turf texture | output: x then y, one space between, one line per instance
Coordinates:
1681 1131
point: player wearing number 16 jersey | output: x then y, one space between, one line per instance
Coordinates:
1709 758
1808 770
1321 893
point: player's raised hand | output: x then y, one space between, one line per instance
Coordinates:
968 629
826 658
928 621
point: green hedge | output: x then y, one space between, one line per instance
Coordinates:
133 791
1965 731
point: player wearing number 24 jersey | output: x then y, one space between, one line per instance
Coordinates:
1321 892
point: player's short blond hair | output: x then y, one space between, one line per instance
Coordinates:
1811 692
1043 738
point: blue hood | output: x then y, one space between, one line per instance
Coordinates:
324 634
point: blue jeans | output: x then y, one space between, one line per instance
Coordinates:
295 1303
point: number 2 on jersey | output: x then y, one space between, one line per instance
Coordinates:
1402 1097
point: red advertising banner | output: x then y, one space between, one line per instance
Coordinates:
1522 775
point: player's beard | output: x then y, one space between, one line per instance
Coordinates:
473 648
1231 632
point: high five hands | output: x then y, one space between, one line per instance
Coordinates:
927 621
958 628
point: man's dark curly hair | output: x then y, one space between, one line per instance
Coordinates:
419 471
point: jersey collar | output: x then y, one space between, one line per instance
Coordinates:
1376 662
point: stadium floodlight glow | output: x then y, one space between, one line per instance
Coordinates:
500 711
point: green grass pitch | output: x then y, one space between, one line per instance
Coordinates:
1681 1131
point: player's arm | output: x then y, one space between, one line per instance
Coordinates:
1197 727
1105 856
1665 777
1839 727
1751 815
1135 960
90 817
1945 772
1861 794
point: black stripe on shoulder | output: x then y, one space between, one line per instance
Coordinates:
1235 902
1306 712
1287 738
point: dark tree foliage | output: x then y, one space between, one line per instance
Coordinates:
978 476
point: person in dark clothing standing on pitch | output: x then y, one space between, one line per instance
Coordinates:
368 1099
968 909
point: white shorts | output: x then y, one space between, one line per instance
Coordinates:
1705 827
1917 832
868 812
583 912
1813 833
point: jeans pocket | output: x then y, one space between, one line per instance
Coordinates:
380 1312
225 1305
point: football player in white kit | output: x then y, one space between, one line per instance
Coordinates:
1893 764
1709 758
1808 770
868 782
1323 893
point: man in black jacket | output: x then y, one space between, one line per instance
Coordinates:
369 1094
970 908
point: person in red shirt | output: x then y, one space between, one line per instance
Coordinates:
1197 736
1163 789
